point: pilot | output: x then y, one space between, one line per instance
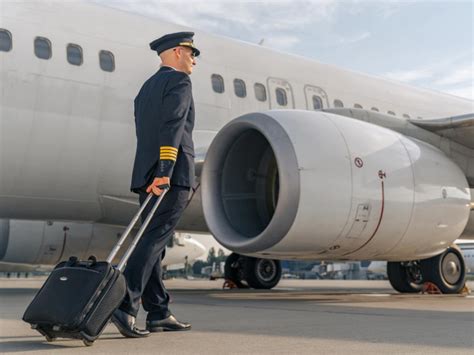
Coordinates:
164 120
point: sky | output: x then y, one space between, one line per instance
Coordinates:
423 43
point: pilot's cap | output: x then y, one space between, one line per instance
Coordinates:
172 40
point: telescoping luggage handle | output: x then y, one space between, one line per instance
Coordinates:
135 241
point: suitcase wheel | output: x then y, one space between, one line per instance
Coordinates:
49 339
87 342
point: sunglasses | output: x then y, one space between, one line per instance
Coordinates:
191 54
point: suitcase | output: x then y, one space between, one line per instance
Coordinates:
79 297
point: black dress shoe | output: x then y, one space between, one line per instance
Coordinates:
125 323
168 325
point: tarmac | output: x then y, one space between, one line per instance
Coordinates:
297 317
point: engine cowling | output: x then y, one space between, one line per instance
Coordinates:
302 184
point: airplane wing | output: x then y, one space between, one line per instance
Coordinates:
459 129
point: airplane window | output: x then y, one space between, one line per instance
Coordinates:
239 88
391 113
43 48
317 102
375 109
74 54
260 92
217 83
338 103
5 40
357 106
107 61
406 115
281 97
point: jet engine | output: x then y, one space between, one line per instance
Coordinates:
301 184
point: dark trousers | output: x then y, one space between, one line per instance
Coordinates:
143 271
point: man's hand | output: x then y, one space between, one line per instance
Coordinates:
157 183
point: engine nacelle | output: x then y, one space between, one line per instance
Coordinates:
302 184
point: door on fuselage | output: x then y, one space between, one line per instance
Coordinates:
280 94
316 98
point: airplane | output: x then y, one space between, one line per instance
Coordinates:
181 249
296 159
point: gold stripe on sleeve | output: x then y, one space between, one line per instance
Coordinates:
168 152
167 157
169 148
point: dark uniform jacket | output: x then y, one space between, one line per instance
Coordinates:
164 120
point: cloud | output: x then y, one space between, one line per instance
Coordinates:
454 77
263 15
340 40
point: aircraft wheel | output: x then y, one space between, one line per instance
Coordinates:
446 270
233 269
405 276
262 273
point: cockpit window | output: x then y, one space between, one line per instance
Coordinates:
107 61
43 48
74 54
5 40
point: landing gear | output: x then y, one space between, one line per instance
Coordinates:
262 273
245 271
233 269
405 276
446 271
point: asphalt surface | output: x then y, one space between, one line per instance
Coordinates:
298 317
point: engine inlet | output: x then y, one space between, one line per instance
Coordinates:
249 200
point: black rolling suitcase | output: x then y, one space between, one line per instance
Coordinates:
78 298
